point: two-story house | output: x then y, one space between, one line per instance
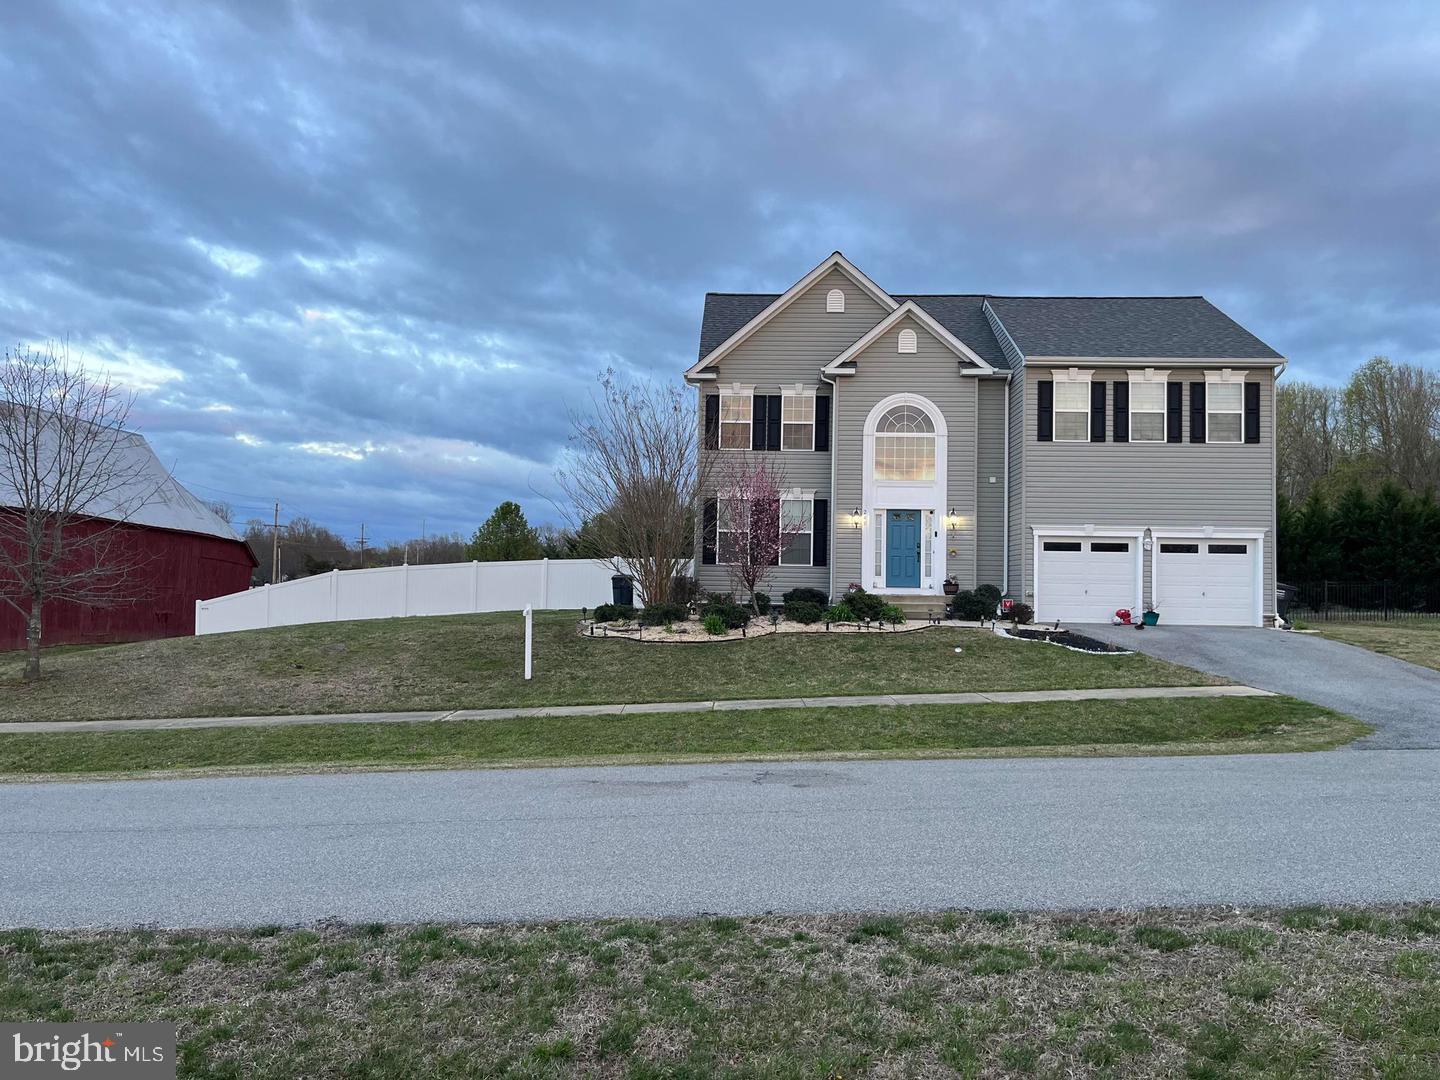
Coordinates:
1082 453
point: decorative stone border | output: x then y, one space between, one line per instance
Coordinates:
695 632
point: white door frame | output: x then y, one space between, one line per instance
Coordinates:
927 496
1255 536
1086 532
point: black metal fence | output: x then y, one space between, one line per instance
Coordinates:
1345 601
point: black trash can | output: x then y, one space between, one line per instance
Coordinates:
1284 594
622 590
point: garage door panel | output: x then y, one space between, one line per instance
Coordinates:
1205 582
1085 580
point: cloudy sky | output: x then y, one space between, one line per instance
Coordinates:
360 256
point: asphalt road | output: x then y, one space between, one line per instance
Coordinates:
680 840
1402 700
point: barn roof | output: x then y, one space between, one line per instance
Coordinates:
148 496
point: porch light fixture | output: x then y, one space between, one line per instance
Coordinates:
953 519
857 519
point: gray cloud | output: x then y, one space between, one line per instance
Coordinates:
361 257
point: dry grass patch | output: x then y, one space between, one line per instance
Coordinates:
1299 992
1415 641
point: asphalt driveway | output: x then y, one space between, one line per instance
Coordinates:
1402 700
686 839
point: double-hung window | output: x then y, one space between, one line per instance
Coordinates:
1072 410
728 532
735 417
1147 407
797 526
797 415
1224 410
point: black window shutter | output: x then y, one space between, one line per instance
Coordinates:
820 522
1252 412
822 426
708 520
1175 407
1097 411
1045 419
773 442
1197 412
758 426
712 421
1122 412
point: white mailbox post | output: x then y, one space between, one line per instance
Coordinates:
529 633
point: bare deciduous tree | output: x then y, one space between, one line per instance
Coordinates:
753 529
1311 435
69 480
632 475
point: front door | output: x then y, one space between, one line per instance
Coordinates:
902 550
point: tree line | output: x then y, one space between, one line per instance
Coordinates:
1357 475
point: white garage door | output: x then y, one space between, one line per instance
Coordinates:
1084 579
1205 582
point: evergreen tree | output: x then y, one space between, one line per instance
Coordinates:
505 537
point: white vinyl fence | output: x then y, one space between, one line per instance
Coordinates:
391 592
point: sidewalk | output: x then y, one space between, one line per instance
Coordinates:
1014 697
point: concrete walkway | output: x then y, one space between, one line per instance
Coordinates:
1011 697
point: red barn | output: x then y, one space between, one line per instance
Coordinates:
184 552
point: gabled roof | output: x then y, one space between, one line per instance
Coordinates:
835 261
909 309
1140 326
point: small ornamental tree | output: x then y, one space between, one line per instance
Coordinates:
752 529
505 537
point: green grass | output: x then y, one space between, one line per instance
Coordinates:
1417 641
953 994
1183 725
476 661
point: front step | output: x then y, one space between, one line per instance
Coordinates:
919 608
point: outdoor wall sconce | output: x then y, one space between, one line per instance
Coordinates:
953 520
857 519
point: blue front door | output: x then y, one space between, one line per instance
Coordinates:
902 549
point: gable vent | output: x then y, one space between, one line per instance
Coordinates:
907 341
835 300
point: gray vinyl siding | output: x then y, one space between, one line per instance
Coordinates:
1139 485
931 372
990 407
790 349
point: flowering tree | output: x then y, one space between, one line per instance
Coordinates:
752 528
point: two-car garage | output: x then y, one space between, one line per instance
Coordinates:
1196 577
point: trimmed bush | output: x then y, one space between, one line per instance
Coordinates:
807 595
762 603
614 612
970 606
892 615
990 594
1022 613
723 605
663 614
802 611
715 625
865 605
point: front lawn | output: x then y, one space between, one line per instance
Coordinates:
1201 993
1415 640
1165 726
476 661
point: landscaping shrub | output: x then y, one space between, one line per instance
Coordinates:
614 612
806 594
892 615
663 614
1022 613
865 605
684 590
969 605
839 613
723 605
762 603
991 595
802 611
714 624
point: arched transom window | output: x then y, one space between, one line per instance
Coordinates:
905 445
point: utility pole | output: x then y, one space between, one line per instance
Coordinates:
362 545
275 548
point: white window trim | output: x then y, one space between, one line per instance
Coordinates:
1222 377
788 394
1070 375
879 497
1151 375
736 390
835 301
